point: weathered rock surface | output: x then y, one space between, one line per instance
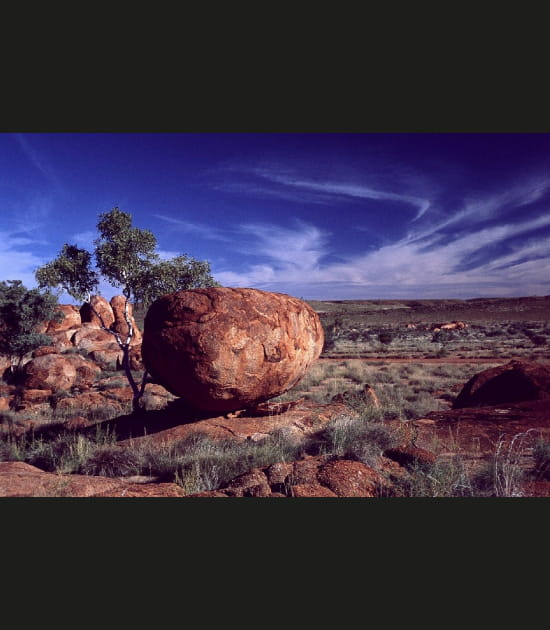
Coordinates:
35 399
410 456
62 338
223 349
102 307
91 403
86 371
313 476
18 479
5 364
59 372
39 352
106 359
49 371
71 320
513 382
472 435
90 338
295 423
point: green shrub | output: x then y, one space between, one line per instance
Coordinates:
385 337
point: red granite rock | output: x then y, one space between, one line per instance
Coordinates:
311 490
411 456
347 478
102 307
86 371
71 320
18 479
513 382
223 349
49 371
39 352
91 338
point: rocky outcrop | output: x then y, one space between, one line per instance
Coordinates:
61 339
411 456
5 364
313 476
39 352
223 349
513 382
454 325
106 359
93 404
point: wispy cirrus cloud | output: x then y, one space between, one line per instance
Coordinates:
17 260
302 246
500 206
353 190
38 160
283 184
492 244
29 219
405 267
199 229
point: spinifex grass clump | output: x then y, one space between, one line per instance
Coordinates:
65 453
197 463
444 478
354 438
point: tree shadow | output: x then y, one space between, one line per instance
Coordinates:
132 425
140 423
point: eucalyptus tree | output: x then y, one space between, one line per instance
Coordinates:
126 257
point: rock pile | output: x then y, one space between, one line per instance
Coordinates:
67 374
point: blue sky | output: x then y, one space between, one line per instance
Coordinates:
318 216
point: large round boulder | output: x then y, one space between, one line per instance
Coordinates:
223 349
515 381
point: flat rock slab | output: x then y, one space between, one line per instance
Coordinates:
298 420
474 434
18 479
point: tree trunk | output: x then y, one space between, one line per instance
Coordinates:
137 392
